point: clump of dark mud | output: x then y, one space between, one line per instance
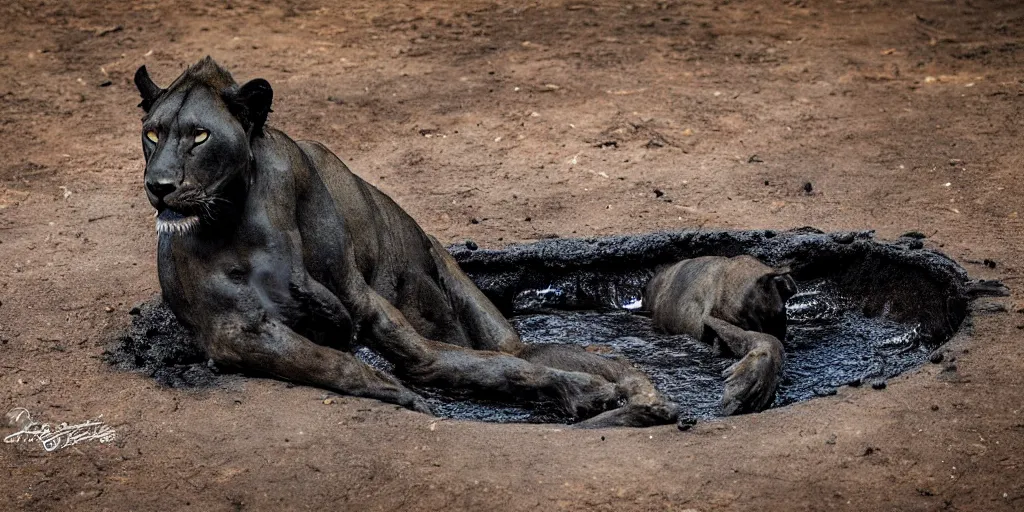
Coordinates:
156 344
865 311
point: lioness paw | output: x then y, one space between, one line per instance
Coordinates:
750 383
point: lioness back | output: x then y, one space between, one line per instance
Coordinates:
740 290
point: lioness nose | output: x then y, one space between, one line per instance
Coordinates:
161 189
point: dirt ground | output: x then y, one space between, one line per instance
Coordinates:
505 122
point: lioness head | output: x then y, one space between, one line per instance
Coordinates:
196 136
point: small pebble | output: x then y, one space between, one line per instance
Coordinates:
808 188
935 407
855 383
825 391
471 245
936 357
878 384
685 424
843 238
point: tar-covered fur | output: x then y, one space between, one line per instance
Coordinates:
739 304
279 257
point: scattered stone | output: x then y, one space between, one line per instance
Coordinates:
989 307
471 245
987 288
989 263
914 234
528 219
825 392
658 192
686 423
935 407
808 188
337 100
656 142
855 383
831 439
108 30
878 384
843 238
936 357
328 401
474 220
754 159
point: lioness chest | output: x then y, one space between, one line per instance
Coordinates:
251 269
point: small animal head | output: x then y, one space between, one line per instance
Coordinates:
766 301
196 138
779 282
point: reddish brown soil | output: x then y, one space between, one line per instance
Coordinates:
534 119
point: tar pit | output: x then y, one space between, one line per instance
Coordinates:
865 312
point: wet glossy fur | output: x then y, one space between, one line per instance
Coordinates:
293 257
737 303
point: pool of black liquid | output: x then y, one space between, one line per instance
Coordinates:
865 311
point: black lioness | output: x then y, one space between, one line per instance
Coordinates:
737 303
278 257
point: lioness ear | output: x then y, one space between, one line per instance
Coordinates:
147 89
255 96
785 284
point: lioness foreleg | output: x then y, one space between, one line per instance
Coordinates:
644 407
270 346
431 363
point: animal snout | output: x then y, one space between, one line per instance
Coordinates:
161 189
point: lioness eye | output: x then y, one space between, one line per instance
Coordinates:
151 135
201 136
